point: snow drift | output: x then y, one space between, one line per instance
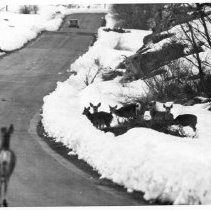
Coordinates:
17 29
162 166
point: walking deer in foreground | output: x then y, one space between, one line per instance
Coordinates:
128 111
98 119
7 163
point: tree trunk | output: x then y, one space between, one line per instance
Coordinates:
146 63
201 73
205 27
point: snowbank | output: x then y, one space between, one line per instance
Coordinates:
17 29
114 46
162 166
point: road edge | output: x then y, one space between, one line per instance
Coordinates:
61 160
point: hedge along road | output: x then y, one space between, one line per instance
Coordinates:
26 76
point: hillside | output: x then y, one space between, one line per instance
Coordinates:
180 53
165 167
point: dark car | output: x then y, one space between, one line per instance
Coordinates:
73 23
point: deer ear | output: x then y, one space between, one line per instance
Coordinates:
11 129
99 104
91 104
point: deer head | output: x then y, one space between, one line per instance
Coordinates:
95 108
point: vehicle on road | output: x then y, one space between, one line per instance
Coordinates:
73 23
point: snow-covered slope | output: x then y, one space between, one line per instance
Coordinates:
162 166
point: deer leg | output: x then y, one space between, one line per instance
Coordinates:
104 125
0 193
5 204
117 118
181 131
108 125
4 197
99 125
96 124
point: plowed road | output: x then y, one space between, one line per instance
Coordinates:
26 76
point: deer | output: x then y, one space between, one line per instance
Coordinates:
186 120
154 117
95 108
7 163
128 111
98 119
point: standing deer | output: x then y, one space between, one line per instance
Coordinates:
7 163
127 111
154 117
186 120
98 119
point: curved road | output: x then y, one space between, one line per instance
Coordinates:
26 76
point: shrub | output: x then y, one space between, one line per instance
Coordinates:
92 73
208 85
176 84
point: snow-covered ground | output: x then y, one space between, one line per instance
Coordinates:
17 29
162 166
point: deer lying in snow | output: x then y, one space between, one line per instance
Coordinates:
98 119
155 119
152 116
151 113
7 163
127 111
